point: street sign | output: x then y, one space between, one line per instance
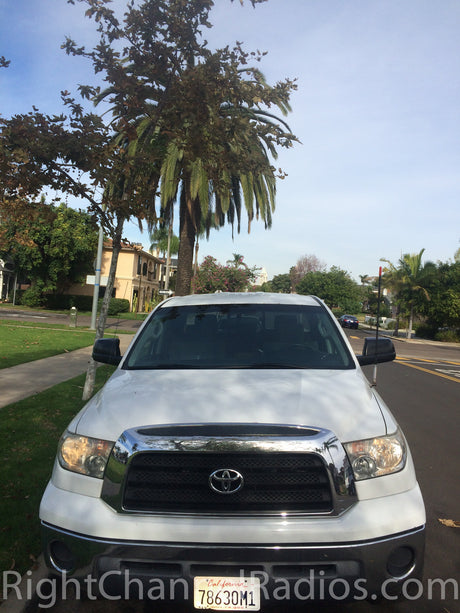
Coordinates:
165 292
91 280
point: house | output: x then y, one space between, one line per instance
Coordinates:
138 278
7 279
262 277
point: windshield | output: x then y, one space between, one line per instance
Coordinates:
240 336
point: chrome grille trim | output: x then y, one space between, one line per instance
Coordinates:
231 439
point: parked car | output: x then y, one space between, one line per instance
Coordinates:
349 321
237 455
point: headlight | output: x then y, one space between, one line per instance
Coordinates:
375 457
84 455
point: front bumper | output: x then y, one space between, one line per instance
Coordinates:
376 515
344 571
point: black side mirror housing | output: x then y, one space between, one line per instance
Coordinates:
376 351
107 351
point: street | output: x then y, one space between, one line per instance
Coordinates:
422 389
48 317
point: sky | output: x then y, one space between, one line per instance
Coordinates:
377 112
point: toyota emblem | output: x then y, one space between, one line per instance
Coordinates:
226 481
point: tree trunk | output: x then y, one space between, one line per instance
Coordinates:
398 313
187 235
411 319
88 389
195 265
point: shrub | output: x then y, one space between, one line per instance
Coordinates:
350 306
426 331
64 302
116 305
213 277
33 297
58 302
83 303
448 336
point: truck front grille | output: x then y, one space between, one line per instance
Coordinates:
179 482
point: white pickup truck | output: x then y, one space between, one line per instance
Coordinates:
237 456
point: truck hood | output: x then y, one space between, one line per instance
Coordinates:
338 400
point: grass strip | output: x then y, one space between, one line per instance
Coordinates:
112 329
38 324
19 344
30 431
40 311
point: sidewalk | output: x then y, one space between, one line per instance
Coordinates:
19 382
414 339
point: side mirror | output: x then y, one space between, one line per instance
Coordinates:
107 351
376 351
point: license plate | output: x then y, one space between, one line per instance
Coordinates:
227 593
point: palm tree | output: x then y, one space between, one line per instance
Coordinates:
213 188
237 260
392 280
407 280
159 241
207 127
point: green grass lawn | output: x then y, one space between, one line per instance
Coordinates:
30 431
8 306
19 344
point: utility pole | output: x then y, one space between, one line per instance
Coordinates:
97 279
379 293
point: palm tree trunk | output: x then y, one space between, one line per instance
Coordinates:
411 319
398 312
187 235
195 266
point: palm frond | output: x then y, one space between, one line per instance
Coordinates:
247 187
170 174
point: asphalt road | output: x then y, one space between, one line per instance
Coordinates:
422 388
10 313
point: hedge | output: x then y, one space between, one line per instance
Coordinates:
117 305
64 302
84 303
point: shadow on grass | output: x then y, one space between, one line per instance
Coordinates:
31 430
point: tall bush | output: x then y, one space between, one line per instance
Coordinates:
213 277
